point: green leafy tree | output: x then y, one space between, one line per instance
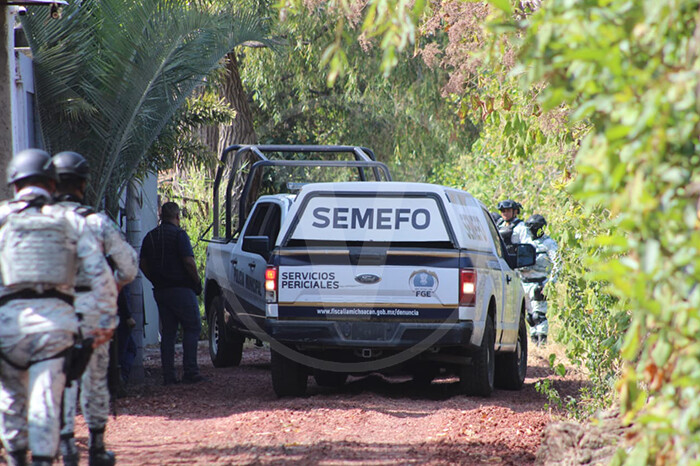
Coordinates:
179 145
402 117
630 71
518 149
394 23
526 151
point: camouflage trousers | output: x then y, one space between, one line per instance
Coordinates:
30 399
94 394
539 311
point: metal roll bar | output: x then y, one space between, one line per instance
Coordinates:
364 159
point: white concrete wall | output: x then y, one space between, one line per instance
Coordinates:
143 217
25 130
141 200
149 220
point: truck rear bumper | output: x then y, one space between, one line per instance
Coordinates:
385 335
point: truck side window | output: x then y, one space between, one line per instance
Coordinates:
265 221
255 226
494 234
272 223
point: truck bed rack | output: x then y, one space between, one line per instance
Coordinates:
364 160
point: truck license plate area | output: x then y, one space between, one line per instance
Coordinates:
371 331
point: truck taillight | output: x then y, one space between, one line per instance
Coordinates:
467 287
271 284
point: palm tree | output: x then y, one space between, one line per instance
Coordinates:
111 73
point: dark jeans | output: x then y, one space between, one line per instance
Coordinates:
127 350
178 306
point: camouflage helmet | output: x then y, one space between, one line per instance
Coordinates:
28 163
71 164
536 225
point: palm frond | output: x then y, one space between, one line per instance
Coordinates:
112 73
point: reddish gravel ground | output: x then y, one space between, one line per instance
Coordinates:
235 418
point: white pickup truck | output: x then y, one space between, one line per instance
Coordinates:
238 252
358 277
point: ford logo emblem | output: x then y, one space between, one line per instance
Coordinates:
367 278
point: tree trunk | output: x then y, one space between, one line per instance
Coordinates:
240 131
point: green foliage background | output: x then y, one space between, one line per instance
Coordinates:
402 117
493 140
629 70
595 126
110 74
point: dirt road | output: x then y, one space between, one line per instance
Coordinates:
235 418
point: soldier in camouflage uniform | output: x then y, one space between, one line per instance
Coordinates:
42 245
510 227
535 277
73 171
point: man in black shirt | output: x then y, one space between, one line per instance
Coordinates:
168 262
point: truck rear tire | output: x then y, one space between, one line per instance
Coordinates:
511 368
330 379
289 378
225 345
478 377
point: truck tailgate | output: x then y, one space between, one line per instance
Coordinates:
404 287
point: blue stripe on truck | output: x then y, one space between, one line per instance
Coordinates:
341 312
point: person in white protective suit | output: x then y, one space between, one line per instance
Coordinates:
535 277
42 246
510 227
73 172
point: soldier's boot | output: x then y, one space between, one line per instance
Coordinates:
42 460
17 458
98 455
69 450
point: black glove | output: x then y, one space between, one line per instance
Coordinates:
539 295
530 319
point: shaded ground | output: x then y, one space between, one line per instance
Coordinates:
592 443
235 418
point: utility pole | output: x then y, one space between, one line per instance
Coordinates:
6 81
